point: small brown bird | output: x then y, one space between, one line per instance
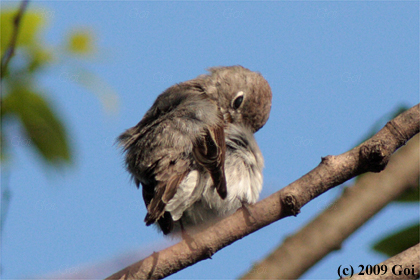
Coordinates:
194 152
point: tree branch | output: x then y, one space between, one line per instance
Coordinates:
372 155
8 54
395 266
357 204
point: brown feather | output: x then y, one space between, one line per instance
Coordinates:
163 192
209 152
172 186
166 223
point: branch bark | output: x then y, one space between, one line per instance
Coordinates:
357 204
372 155
405 265
10 51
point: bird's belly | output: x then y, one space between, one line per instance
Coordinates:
244 183
197 201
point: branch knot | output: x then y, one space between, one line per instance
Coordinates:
291 204
373 156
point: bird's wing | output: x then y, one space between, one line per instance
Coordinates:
182 131
209 151
166 184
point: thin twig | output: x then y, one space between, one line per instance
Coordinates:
8 54
372 155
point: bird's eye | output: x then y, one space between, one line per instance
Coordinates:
237 102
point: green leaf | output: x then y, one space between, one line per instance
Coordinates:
41 124
3 147
398 242
81 42
39 57
30 26
105 93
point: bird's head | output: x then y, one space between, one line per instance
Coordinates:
244 96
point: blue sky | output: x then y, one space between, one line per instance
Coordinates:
334 69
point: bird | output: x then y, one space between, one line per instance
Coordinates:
194 151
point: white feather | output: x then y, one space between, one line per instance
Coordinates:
197 201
